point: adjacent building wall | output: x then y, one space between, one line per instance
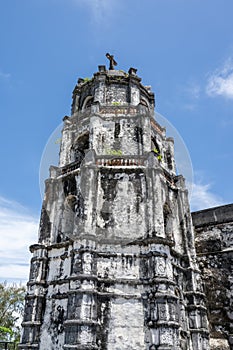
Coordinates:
214 246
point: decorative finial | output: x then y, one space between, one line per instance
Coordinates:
112 62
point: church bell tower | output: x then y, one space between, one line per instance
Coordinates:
115 264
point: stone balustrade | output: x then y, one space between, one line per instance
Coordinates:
120 161
70 167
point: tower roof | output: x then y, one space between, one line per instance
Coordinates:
111 87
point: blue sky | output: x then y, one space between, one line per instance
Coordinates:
182 48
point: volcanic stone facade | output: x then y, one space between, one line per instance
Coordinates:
214 246
115 266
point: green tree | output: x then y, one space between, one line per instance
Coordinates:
11 311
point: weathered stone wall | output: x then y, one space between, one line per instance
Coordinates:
115 266
214 246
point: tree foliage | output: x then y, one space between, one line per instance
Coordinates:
11 311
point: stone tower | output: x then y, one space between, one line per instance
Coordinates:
115 265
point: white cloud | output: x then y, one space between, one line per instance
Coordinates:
220 83
100 9
190 93
194 90
18 230
4 76
202 197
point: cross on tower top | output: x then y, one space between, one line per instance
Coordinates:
112 62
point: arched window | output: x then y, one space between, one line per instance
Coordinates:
169 160
87 102
144 103
154 145
167 216
80 146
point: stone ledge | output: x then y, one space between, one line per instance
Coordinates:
196 307
31 323
80 322
167 297
210 216
221 252
161 323
80 347
37 246
199 330
28 346
153 240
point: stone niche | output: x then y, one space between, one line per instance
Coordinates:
121 204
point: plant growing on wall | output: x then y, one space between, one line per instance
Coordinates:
58 141
5 333
85 80
114 152
125 74
157 153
